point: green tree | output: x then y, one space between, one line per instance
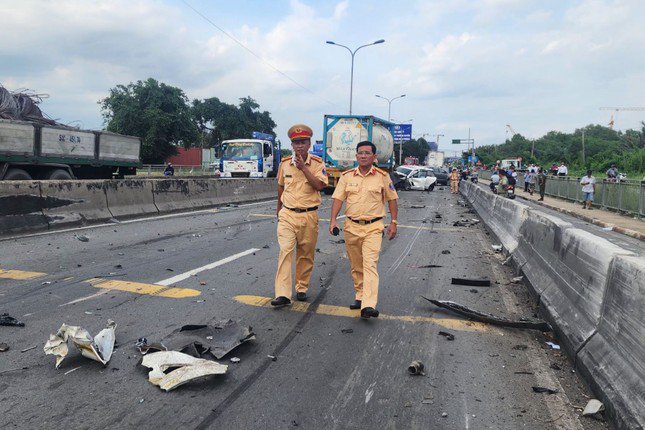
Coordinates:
154 111
413 148
285 153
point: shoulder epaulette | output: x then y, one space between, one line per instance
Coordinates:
347 171
286 158
382 172
315 157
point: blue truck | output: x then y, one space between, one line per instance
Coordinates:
258 157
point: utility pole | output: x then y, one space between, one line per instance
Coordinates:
583 146
472 160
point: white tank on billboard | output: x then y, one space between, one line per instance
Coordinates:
344 135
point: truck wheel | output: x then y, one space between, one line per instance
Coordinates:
17 175
59 174
271 174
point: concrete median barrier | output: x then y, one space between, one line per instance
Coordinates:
21 207
74 202
614 358
130 198
172 195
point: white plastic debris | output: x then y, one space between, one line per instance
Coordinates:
187 369
553 345
99 348
593 407
497 248
517 279
235 360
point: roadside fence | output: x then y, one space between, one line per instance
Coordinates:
158 169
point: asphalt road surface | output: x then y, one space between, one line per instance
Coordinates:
321 377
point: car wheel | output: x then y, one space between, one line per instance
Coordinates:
431 187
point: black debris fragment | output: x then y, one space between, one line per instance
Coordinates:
82 238
488 318
144 348
555 366
544 390
4 347
448 336
417 206
266 247
7 320
338 241
347 330
416 368
483 282
445 251
429 266
218 339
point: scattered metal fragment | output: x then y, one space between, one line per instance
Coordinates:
488 318
505 262
266 247
445 251
193 339
185 368
517 279
553 345
99 348
444 414
448 336
593 407
82 238
429 266
497 248
338 241
144 348
45 283
272 357
544 390
483 282
70 371
7 320
416 368
417 206
118 266
4 347
235 360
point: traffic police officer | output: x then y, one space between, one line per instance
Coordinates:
366 189
300 179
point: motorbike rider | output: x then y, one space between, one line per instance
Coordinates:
503 182
494 181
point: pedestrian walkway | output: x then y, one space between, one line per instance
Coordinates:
606 219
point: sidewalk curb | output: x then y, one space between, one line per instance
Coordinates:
626 231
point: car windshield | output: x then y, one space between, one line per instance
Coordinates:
242 151
403 170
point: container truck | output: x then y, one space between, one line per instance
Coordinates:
31 150
250 158
435 159
341 134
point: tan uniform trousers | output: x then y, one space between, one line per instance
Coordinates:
296 232
363 244
454 186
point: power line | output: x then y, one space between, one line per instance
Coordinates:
250 51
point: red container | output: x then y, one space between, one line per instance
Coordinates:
187 157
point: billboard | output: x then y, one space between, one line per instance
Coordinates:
402 132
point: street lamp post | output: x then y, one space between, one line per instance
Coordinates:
353 53
389 103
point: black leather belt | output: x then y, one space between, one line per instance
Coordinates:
365 221
298 210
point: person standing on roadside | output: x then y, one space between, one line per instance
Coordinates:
562 170
588 188
454 181
366 189
541 180
300 179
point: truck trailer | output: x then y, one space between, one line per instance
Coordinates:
341 134
30 150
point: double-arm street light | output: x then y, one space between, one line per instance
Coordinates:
389 103
353 53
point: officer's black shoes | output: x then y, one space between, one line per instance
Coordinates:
355 305
369 313
280 301
301 297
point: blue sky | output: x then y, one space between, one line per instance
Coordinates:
537 65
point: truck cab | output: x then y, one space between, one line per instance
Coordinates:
249 158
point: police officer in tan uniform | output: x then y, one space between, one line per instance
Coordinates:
366 189
300 179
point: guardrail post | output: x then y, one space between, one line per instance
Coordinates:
621 188
603 195
641 199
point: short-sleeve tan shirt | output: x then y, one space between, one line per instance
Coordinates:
298 192
365 194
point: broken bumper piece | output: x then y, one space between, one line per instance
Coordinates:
186 368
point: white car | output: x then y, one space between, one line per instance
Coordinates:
416 178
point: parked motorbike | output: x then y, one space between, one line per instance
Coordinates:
510 191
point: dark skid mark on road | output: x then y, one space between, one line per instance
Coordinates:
252 378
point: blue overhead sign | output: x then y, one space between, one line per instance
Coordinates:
402 132
261 136
470 158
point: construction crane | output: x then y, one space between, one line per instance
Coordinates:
509 128
617 109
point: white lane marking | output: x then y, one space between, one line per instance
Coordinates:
186 275
132 221
82 299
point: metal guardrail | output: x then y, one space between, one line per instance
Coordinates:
625 196
158 169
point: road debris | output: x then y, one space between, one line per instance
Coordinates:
185 368
517 279
14 369
114 221
505 262
347 330
272 357
29 349
266 247
82 238
553 345
194 339
448 336
538 389
235 360
7 320
4 347
444 414
474 291
555 366
488 318
523 372
417 206
202 282
482 282
497 248
45 283
593 407
144 348
445 251
70 371
416 368
99 348
337 241
520 347
429 266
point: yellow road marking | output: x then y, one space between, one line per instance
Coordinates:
340 311
19 274
400 226
141 288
